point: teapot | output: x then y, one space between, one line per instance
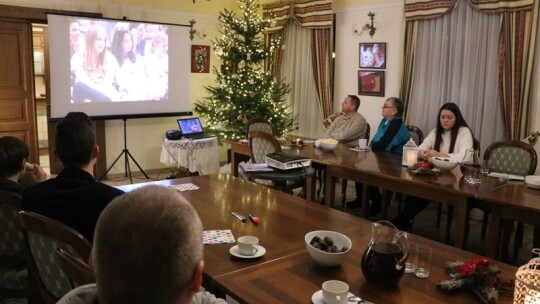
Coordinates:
383 261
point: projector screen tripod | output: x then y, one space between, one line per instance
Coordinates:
126 154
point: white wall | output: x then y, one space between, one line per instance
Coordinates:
390 27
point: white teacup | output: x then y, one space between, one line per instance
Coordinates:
362 143
248 245
335 292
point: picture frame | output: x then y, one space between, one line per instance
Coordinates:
371 83
200 59
372 55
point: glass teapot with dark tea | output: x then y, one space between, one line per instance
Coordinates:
383 262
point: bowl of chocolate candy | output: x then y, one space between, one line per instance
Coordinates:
327 248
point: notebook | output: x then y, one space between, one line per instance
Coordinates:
191 128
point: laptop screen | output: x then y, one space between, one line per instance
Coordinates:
190 126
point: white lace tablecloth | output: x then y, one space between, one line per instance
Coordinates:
196 155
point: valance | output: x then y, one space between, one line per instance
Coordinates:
432 9
502 6
308 13
427 9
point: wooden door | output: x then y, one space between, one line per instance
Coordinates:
17 105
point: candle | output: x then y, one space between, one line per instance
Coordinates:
412 157
298 141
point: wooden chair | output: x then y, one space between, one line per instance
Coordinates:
512 157
261 144
416 134
344 181
259 124
78 272
13 270
43 236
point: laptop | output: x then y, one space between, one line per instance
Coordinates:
191 128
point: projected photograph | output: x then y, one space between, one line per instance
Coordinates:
372 55
116 61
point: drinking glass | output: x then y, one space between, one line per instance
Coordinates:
410 265
485 167
423 261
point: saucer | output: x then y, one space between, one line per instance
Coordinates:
260 253
316 298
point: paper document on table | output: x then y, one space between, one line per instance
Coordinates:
256 167
185 187
219 236
507 176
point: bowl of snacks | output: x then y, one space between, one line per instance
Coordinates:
328 144
533 181
444 163
327 248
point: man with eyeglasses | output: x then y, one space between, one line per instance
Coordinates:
392 134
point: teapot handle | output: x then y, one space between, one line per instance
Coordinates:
405 247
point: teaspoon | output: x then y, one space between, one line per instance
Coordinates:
357 300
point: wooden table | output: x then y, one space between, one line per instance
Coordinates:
516 202
285 274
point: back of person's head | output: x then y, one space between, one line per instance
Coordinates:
13 152
147 246
75 140
452 107
355 101
398 104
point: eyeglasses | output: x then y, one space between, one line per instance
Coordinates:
386 107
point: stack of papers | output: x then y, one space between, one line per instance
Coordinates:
507 176
256 167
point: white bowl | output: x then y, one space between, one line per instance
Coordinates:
444 163
533 181
328 258
328 146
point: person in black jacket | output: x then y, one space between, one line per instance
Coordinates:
74 197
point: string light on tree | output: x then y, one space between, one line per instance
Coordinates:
245 90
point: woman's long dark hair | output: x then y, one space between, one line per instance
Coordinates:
460 122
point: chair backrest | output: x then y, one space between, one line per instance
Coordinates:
78 272
43 236
328 120
416 134
13 249
259 124
368 132
512 157
12 243
262 143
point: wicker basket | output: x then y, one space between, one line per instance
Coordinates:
527 286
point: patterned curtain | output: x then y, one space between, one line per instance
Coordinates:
416 10
317 16
519 20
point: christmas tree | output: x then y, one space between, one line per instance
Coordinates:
244 89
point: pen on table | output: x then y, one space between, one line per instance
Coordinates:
253 218
238 216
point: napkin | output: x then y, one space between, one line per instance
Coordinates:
219 236
185 187
507 176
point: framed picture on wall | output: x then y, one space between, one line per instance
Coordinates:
372 55
371 83
200 59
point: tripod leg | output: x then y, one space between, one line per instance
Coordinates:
137 164
111 166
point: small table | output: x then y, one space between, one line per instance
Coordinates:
199 155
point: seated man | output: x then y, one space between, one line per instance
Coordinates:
74 197
13 155
391 136
148 249
350 126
